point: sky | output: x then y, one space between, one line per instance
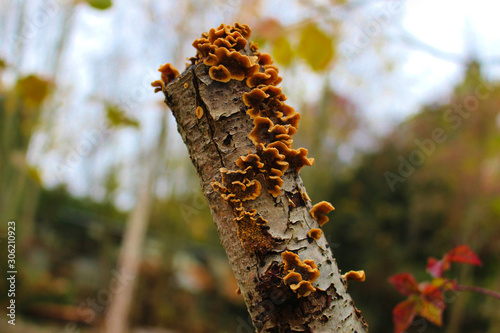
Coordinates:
385 97
419 76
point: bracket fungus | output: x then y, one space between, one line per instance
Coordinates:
266 132
199 112
237 185
354 276
315 233
299 275
255 172
250 160
168 74
224 50
319 211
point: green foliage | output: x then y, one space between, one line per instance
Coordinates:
308 42
118 118
100 4
450 198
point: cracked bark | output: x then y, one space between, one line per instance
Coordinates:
217 140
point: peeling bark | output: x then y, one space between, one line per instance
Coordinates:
217 140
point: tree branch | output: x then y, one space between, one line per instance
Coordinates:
480 290
217 139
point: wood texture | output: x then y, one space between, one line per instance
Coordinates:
216 140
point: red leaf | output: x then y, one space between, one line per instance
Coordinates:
403 315
432 305
405 283
433 294
435 267
463 254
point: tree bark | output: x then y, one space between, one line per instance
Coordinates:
216 140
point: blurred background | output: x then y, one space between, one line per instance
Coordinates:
110 218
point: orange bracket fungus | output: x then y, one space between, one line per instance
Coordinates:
319 211
199 112
354 276
168 74
239 132
315 234
299 275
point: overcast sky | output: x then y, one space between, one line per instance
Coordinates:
451 29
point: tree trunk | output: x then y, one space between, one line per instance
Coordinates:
129 262
116 320
217 140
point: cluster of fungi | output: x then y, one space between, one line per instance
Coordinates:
229 55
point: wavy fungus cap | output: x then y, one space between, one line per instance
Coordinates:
299 275
315 233
319 211
355 276
296 158
168 74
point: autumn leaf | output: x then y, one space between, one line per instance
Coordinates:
315 47
100 4
405 283
436 267
33 89
425 299
432 305
403 314
282 51
463 254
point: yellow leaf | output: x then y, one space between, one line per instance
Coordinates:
34 174
315 47
33 89
282 51
100 4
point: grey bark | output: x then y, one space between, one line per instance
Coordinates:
217 140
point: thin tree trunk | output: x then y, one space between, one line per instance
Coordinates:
217 140
116 320
130 259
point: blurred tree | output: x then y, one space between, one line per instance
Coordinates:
443 191
134 236
20 182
